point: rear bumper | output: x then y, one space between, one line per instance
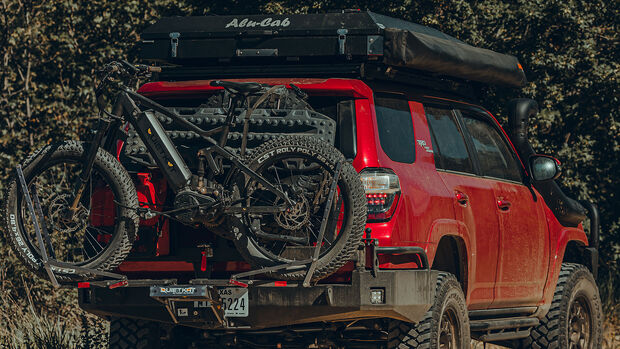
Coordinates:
408 294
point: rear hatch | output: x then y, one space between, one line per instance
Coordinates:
166 248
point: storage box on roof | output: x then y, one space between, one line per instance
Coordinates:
323 39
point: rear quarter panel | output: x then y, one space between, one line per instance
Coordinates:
425 210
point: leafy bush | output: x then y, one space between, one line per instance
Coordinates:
49 51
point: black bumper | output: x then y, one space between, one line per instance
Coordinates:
408 294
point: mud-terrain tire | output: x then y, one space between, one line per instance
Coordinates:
575 293
128 333
116 177
351 189
449 305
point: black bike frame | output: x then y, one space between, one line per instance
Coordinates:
160 146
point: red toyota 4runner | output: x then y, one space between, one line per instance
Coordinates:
440 173
467 234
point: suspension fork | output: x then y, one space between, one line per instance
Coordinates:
91 154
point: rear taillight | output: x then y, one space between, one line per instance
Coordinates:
382 192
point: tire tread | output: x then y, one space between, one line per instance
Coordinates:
403 335
548 334
126 333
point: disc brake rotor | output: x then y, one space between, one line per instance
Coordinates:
295 217
63 219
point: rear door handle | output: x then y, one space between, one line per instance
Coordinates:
461 198
503 205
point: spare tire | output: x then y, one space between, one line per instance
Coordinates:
302 167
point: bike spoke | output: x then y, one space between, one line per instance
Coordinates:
305 182
87 233
74 237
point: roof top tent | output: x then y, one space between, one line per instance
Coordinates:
331 44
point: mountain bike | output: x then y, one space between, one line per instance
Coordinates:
275 203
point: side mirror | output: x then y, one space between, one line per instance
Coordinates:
544 168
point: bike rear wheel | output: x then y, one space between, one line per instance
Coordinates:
303 168
98 234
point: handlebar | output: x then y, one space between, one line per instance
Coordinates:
131 69
122 67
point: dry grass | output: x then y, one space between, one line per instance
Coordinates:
58 326
611 326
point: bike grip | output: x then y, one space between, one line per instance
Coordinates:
154 69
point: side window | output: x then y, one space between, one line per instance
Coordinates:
448 142
395 127
495 157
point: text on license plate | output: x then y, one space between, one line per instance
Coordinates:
235 301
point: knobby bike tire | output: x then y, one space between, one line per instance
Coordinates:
350 186
121 185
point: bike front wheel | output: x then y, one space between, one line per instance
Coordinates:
97 234
303 168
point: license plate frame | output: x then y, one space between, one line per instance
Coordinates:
235 301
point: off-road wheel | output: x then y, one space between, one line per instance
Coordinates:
302 168
128 333
444 326
574 320
97 234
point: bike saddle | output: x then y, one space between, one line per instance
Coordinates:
248 87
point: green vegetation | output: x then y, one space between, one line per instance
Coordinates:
50 49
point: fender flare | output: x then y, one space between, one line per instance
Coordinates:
565 235
450 227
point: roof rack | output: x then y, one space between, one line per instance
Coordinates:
355 70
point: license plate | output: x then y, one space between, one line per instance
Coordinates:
235 301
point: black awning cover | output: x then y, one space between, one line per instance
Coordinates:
421 51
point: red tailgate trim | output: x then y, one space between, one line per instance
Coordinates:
158 266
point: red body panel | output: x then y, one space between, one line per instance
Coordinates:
513 257
482 227
524 246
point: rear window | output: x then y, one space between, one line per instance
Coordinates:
395 127
342 110
339 108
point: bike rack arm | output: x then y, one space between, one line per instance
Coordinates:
319 242
37 229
